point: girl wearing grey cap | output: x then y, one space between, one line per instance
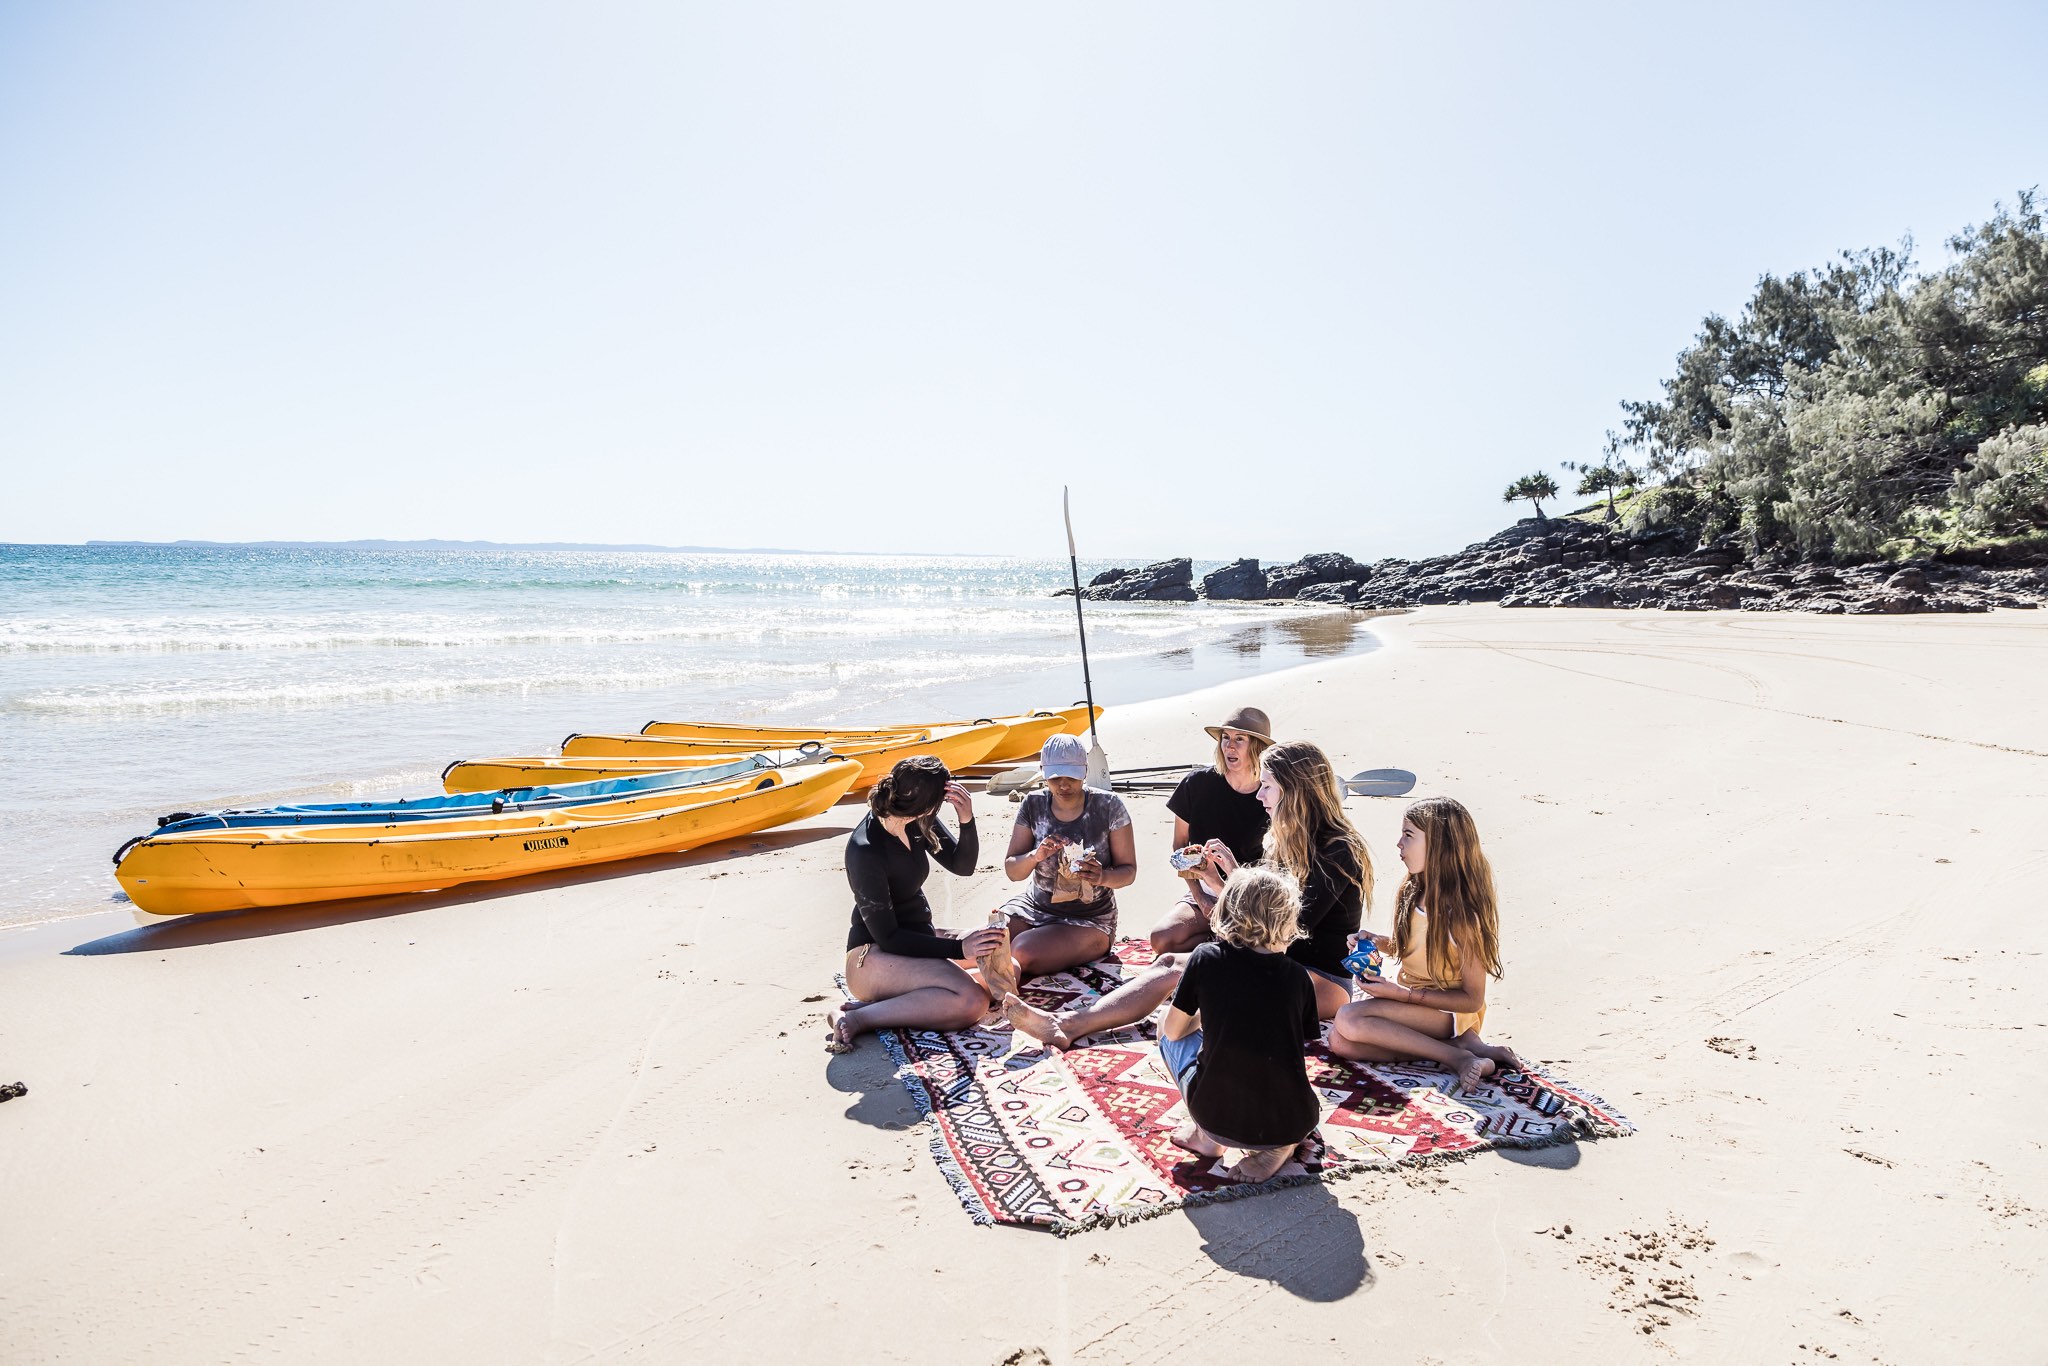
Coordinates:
1074 843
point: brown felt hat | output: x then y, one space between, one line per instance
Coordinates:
1249 720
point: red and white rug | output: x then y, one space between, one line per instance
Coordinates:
1069 1141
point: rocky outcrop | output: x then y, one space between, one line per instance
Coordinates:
1237 581
1288 580
1564 563
1166 581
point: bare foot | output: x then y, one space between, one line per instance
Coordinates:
1474 1070
1259 1166
840 1030
1505 1059
1192 1137
1040 1025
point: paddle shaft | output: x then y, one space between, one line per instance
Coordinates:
1080 622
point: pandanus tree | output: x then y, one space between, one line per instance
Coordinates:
1534 487
1610 474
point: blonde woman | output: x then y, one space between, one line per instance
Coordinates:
1313 841
1218 802
1233 1037
1447 936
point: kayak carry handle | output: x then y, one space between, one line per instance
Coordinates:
122 852
162 821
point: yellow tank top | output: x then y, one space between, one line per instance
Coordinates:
1423 973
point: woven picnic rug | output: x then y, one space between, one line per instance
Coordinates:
1069 1141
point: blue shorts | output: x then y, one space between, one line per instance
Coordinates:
1180 1055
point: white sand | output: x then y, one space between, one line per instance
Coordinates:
1772 885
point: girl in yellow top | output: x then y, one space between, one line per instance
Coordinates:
1447 936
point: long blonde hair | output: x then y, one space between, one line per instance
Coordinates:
1260 908
1310 813
1455 886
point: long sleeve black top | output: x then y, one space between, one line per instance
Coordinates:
1332 902
889 906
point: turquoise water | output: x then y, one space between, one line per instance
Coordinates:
140 680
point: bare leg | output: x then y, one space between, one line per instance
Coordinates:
1331 997
905 993
1385 1031
1047 949
1259 1166
1183 927
1128 1004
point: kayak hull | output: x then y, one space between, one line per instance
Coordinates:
203 871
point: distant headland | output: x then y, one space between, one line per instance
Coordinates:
455 545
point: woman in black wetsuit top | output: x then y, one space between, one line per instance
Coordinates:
1312 839
901 971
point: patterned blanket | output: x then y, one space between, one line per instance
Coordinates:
1069 1141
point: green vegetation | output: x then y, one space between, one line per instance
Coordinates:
1860 410
1535 487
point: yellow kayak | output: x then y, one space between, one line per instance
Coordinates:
781 737
956 750
242 869
1028 733
493 775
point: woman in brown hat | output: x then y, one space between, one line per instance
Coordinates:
1216 803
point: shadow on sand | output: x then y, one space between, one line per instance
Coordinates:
1561 1157
191 931
1301 1239
868 1075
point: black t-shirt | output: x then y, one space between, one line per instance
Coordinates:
1332 898
1214 810
1251 1080
887 877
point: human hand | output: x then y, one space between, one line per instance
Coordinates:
1220 858
982 941
1385 990
1089 871
962 803
1049 847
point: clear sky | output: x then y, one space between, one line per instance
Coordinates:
1255 279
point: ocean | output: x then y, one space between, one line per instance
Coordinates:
136 681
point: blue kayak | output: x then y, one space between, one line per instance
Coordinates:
511 799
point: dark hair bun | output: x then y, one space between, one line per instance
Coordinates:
915 787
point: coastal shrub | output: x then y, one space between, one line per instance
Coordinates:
1862 404
2004 487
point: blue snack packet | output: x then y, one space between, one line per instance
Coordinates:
1366 960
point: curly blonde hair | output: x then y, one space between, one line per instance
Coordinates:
1260 909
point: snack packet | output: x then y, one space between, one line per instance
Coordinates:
1366 960
998 968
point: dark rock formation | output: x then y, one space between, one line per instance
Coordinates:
1166 581
1568 563
1234 582
1287 580
1563 563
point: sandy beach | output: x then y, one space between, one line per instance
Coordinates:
1770 884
